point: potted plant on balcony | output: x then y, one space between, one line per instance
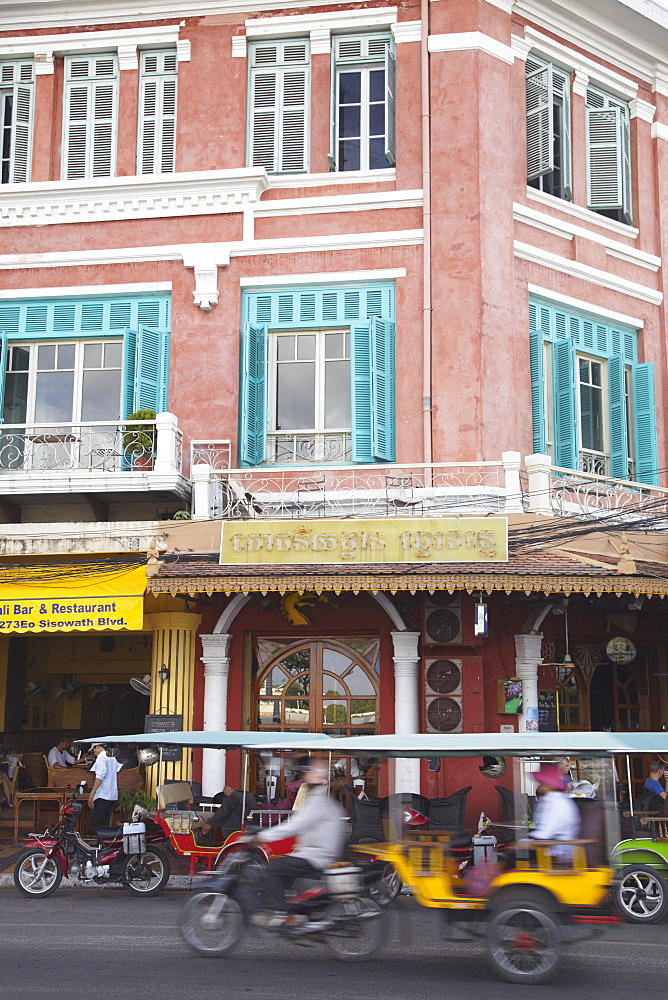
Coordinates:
139 440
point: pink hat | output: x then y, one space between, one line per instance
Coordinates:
550 775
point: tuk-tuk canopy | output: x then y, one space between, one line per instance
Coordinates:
583 744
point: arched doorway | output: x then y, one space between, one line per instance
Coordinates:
317 685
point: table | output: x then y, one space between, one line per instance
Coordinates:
36 796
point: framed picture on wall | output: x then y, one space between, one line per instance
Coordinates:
36 713
48 719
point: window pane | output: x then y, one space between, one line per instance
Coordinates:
349 154
359 682
334 345
334 713
65 356
334 661
377 85
377 119
113 355
101 395
16 398
269 713
46 357
297 662
350 88
274 682
92 355
296 712
595 373
285 348
19 358
363 712
295 396
377 158
306 347
300 687
349 122
53 397
331 687
337 394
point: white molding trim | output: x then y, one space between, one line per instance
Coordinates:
317 244
642 110
471 41
336 20
604 279
92 481
505 5
568 230
520 46
128 57
324 277
75 291
407 31
339 203
183 50
580 212
239 47
335 178
43 63
321 41
88 41
574 61
580 83
207 192
582 306
659 131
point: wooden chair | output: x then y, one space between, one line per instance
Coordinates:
14 780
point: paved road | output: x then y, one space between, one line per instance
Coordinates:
121 947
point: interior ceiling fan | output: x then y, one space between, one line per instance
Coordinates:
142 685
68 691
32 690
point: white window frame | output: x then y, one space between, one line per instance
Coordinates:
90 82
160 118
599 99
560 89
598 458
319 432
281 68
17 79
365 63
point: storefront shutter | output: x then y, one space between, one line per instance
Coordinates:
3 372
644 413
565 436
537 366
539 117
383 389
605 144
390 102
619 449
253 431
360 372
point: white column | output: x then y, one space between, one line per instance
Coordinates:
167 459
527 659
200 476
539 469
406 704
216 670
512 463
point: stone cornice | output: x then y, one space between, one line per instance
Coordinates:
122 40
207 192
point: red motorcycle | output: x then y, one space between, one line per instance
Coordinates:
125 854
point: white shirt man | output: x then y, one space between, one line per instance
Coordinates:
104 794
59 756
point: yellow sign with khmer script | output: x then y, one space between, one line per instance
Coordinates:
400 540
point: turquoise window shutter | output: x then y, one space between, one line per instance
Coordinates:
129 366
644 413
3 372
565 436
537 365
150 368
253 433
619 447
383 389
360 372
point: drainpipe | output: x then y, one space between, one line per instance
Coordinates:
426 226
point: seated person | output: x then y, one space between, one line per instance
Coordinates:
59 755
126 755
556 816
4 772
657 773
228 817
293 788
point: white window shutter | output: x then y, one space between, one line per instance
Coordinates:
22 124
77 131
91 111
605 184
332 157
104 129
156 145
279 106
390 102
566 168
625 143
264 120
294 124
540 121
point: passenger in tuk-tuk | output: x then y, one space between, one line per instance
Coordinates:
229 815
556 815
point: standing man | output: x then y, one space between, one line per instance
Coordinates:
104 794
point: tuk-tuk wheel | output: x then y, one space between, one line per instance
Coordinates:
523 942
640 894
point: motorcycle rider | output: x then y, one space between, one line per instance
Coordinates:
320 831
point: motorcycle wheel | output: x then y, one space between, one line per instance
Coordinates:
211 923
386 887
147 876
640 894
523 942
358 928
26 869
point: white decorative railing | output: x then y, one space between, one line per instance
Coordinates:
217 454
93 446
411 490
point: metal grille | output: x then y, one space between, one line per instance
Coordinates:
443 625
444 715
443 676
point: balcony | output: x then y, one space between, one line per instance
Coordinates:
101 458
355 491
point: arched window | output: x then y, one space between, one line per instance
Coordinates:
572 704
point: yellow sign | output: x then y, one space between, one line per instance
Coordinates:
80 600
400 540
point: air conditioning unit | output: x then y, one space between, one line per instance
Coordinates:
443 695
443 619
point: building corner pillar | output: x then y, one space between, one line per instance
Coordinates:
406 704
216 660
527 661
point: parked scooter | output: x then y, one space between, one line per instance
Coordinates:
127 854
335 911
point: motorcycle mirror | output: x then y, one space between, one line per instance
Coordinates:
433 763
